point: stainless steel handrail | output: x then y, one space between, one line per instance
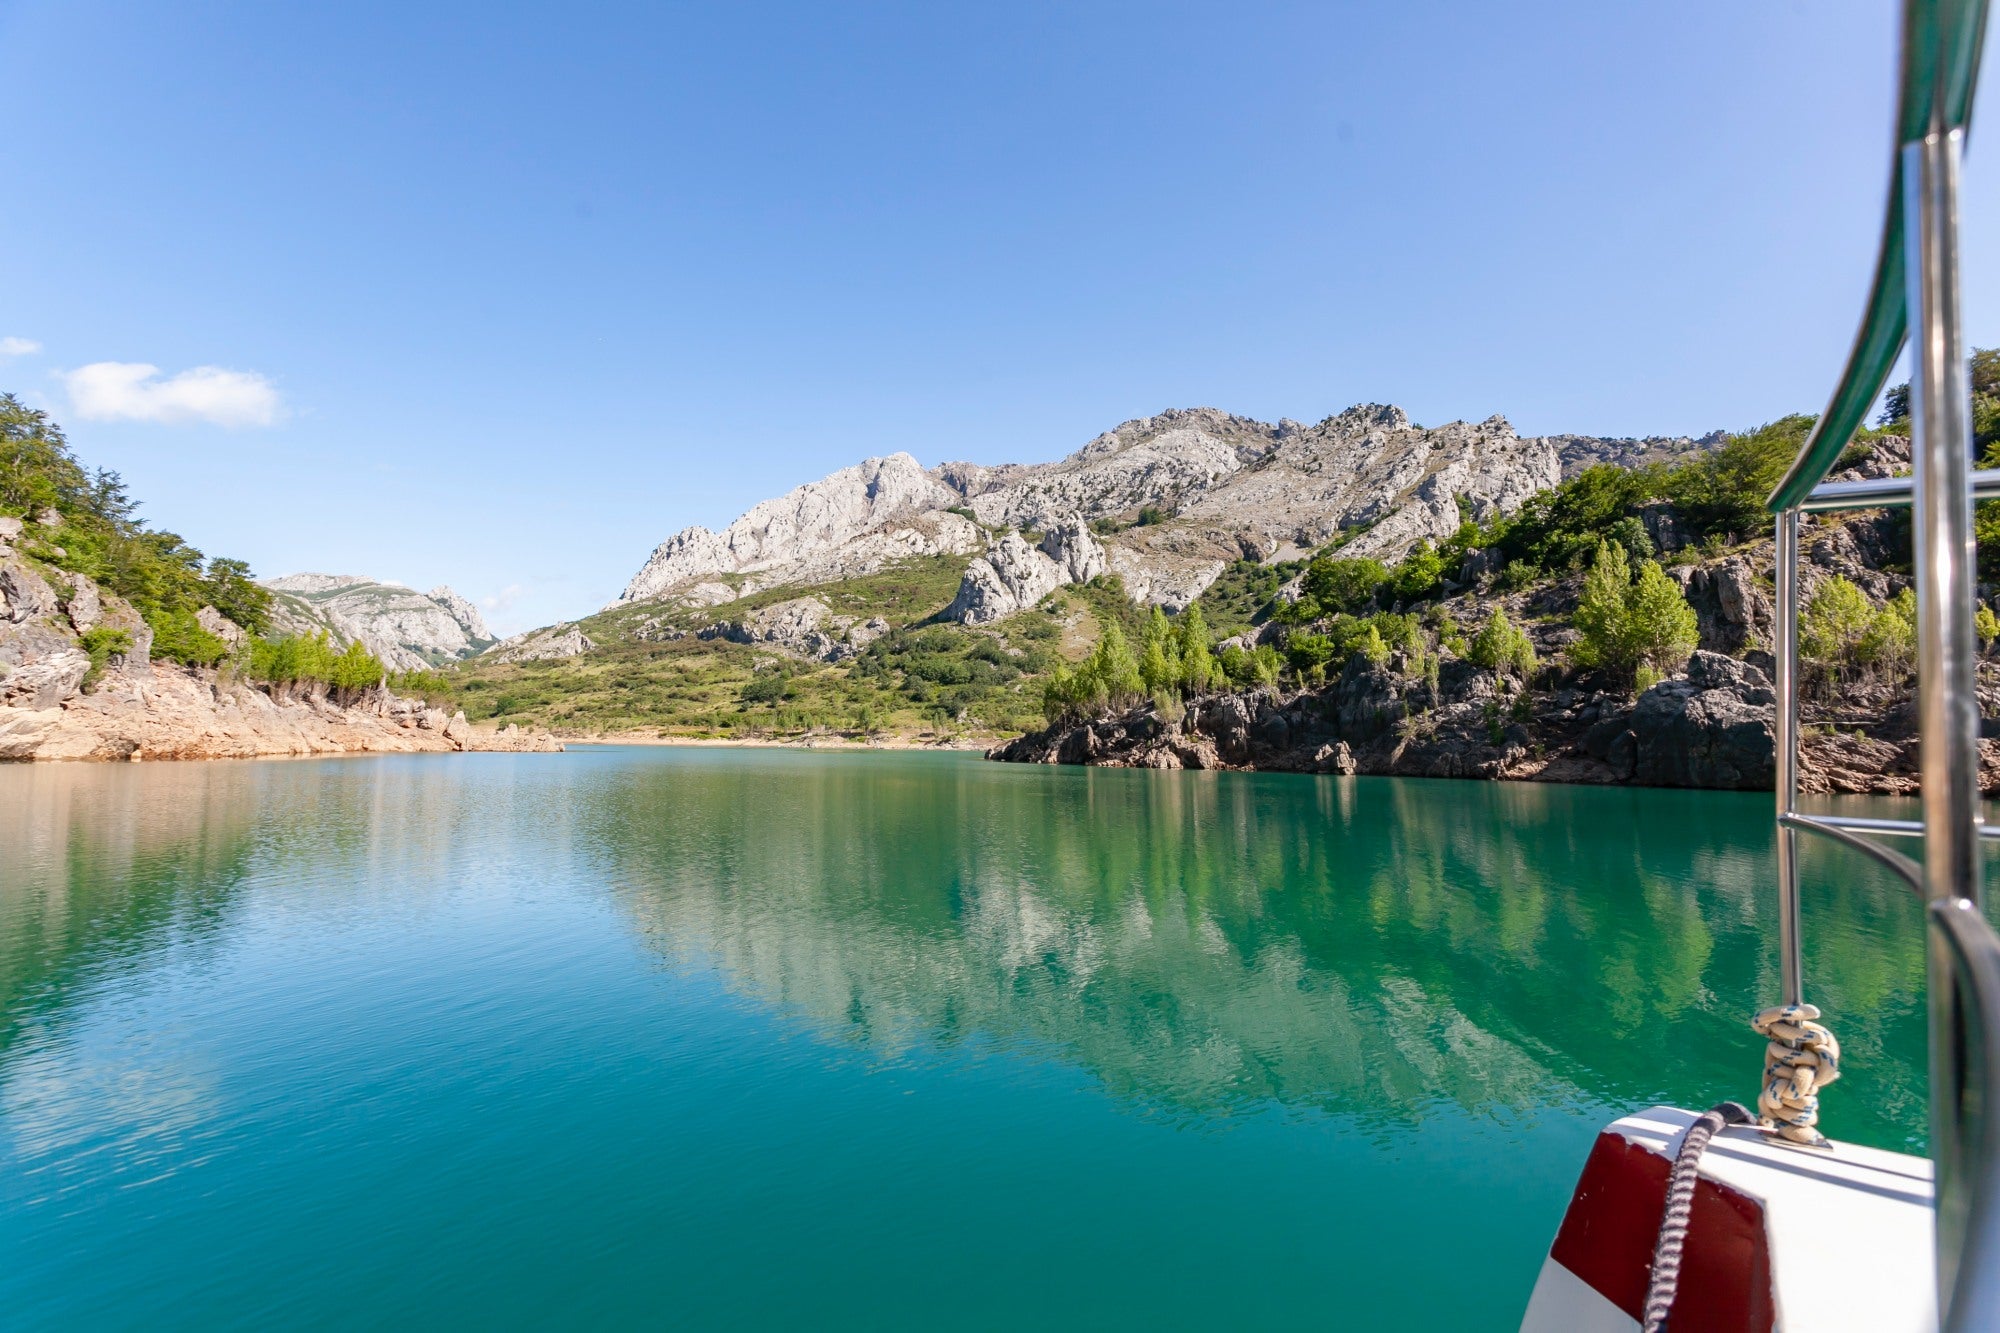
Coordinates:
1965 949
1916 287
1880 828
1883 493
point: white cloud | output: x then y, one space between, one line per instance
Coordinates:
504 599
134 391
19 347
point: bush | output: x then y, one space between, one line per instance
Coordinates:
1629 623
1724 492
1421 574
430 686
1832 622
770 687
1840 632
1560 529
1309 653
1334 585
303 659
1500 645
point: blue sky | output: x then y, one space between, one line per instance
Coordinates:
501 296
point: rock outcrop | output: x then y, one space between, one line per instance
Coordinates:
408 630
542 645
804 627
1711 727
162 711
1013 576
800 528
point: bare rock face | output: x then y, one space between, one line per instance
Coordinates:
1732 608
1711 729
559 640
797 526
221 626
408 630
1225 487
803 626
24 593
46 681
172 712
1012 576
1070 543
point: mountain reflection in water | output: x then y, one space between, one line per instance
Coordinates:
1210 942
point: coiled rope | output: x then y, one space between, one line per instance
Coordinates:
1802 1058
1680 1206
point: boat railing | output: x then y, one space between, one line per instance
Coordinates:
1914 298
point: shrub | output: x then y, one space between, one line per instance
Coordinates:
1839 631
430 686
1335 585
1309 653
1627 623
1890 642
179 637
1724 491
301 659
1500 645
1986 625
1832 622
1560 529
1421 574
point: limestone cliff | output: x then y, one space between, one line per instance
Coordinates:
406 629
1173 498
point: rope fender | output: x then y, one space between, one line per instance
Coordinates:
1801 1058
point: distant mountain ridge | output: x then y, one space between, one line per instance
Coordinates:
1171 500
408 630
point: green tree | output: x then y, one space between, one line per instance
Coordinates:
1342 585
100 538
1500 645
1662 628
235 594
1724 491
1832 623
1159 659
1198 669
1112 664
1420 575
1630 625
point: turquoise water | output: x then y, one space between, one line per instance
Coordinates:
742 1039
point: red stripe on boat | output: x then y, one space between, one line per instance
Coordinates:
1613 1221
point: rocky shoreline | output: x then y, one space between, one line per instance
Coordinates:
162 711
57 702
1709 727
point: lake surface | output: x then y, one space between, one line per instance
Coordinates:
762 1039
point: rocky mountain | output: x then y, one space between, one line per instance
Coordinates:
408 630
1165 502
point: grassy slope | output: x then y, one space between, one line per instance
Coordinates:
922 678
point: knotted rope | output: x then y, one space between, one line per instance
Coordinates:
1802 1058
1680 1207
